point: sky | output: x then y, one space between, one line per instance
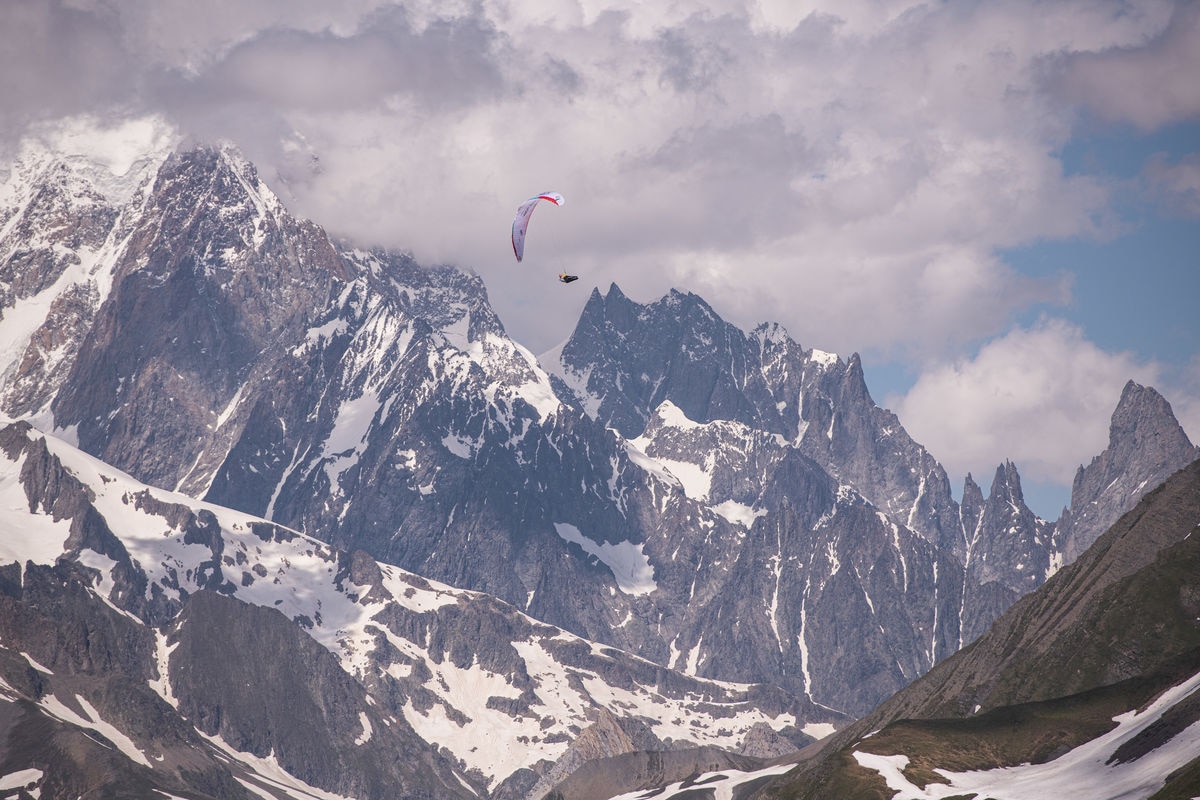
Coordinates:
996 204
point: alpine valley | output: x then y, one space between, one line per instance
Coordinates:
281 517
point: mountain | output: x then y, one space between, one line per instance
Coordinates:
1086 687
1010 551
382 407
1146 445
725 505
212 649
63 219
136 641
624 360
759 397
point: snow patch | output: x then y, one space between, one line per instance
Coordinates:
650 465
33 663
275 778
818 730
693 659
327 331
695 480
721 785
93 721
19 779
463 448
487 739
350 429
672 416
627 561
230 407
538 391
162 656
576 380
367 731
27 535
823 359
739 513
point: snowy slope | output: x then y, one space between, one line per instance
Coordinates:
1097 769
67 208
496 710
1104 768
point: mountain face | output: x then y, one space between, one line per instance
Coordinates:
62 222
202 288
626 363
625 360
214 648
1088 686
140 636
1146 445
850 523
1011 551
726 505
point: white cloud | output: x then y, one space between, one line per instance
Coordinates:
1041 397
850 169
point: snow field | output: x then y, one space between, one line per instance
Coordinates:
1087 771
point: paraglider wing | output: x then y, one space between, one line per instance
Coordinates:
521 221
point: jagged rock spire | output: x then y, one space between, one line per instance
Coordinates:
1146 445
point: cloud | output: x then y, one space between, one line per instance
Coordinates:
1149 83
448 62
114 147
1184 390
1175 185
853 169
1041 397
58 61
849 169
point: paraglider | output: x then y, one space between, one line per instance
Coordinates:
521 225
521 221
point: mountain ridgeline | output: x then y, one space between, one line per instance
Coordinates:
724 505
1088 686
211 650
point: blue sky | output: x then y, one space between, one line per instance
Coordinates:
1135 288
1140 283
995 203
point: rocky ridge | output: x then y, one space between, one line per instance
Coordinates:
266 643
